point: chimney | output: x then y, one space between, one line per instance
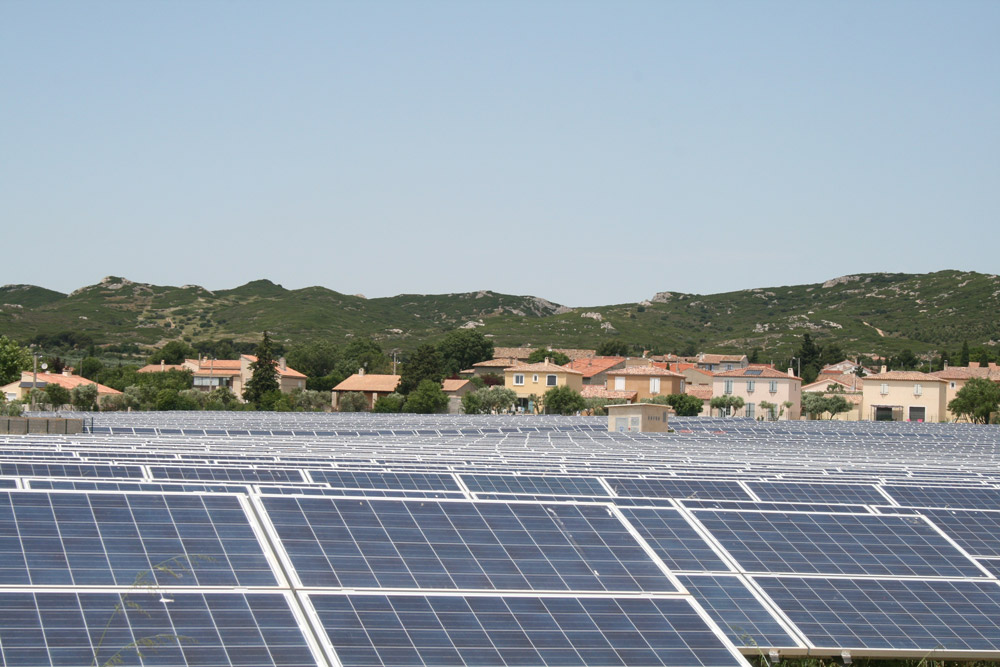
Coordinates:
883 370
282 364
791 372
163 365
945 364
66 371
973 364
991 365
548 360
361 371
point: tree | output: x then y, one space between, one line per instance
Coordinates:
965 357
56 395
837 404
13 360
494 400
906 360
84 397
563 400
315 359
220 398
808 356
613 348
264 374
10 408
728 404
174 352
352 401
90 367
305 400
427 398
685 405
769 408
598 407
813 404
977 400
462 348
540 354
423 364
362 353
389 403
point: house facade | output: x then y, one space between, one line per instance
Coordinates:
904 396
595 369
646 381
758 384
534 380
19 389
955 378
371 385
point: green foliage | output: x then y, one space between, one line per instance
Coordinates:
174 352
389 403
809 358
56 395
563 400
598 406
976 401
493 380
463 347
305 400
728 404
489 400
424 364
965 356
540 354
84 397
685 405
13 360
352 401
427 398
477 382
263 376
10 408
90 368
613 348
363 353
769 409
316 359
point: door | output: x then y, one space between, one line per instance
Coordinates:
918 413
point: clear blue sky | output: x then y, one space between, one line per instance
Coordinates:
586 152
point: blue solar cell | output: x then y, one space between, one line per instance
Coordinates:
182 629
220 474
535 484
869 544
976 531
901 614
808 492
395 630
68 470
678 488
980 498
778 507
734 608
363 479
442 544
674 539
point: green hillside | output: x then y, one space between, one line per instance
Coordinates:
870 313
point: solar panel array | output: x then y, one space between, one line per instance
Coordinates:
367 540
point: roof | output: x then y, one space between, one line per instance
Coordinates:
704 393
645 371
499 362
591 366
453 385
544 367
522 353
849 382
967 373
160 368
594 391
286 372
756 372
369 382
906 376
67 381
720 358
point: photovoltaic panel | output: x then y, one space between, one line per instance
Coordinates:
128 539
674 539
980 498
546 498
68 470
352 543
976 531
220 474
108 485
390 481
809 492
737 611
775 507
534 484
75 629
678 488
355 493
488 631
901 614
868 544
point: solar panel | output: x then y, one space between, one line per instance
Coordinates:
738 612
68 470
678 488
976 531
868 544
452 544
487 631
535 484
674 540
865 494
900 614
984 498
400 481
176 629
220 474
128 539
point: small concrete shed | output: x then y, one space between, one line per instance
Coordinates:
638 418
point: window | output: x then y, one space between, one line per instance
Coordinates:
773 387
550 380
518 379
751 411
884 389
682 386
918 390
751 384
952 385
654 385
534 378
620 383
728 387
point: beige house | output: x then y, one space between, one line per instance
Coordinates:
595 369
18 390
704 394
527 380
848 386
957 376
208 374
646 381
522 353
371 385
721 362
755 384
904 396
494 366
694 376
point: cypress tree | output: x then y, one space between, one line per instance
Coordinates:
264 373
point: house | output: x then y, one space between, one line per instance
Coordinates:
208 374
371 385
455 390
19 389
495 366
531 381
694 376
704 394
845 367
647 381
758 384
522 353
596 391
849 386
721 362
904 396
957 376
595 369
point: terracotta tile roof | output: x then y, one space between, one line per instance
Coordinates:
720 358
544 368
990 372
453 385
67 381
756 373
158 368
704 393
286 372
908 376
229 364
216 372
594 391
369 382
591 366
849 382
574 353
646 371
498 362
520 353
